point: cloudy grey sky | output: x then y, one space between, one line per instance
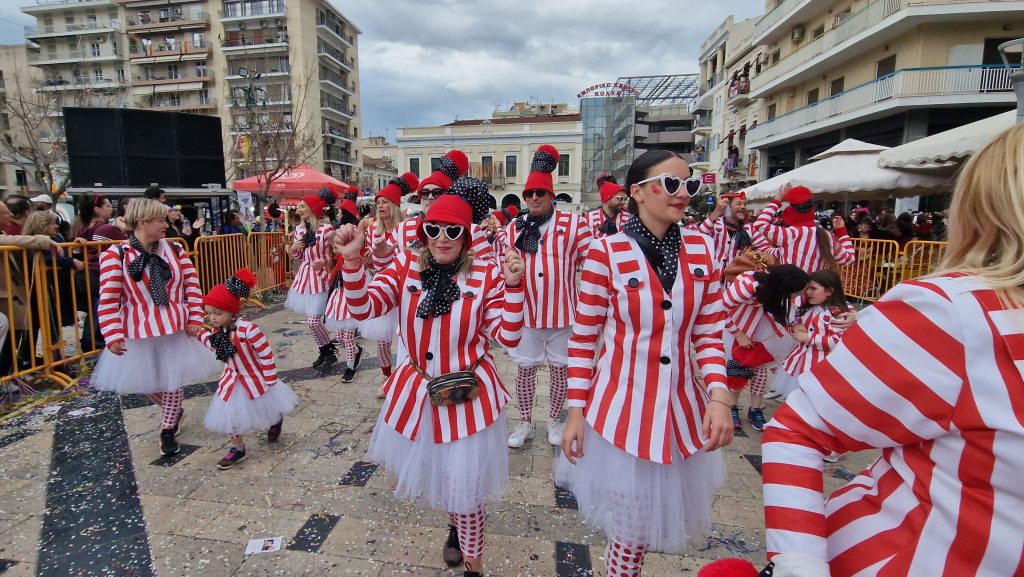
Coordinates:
424 63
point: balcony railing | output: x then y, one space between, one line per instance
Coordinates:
336 105
232 71
74 28
909 82
336 28
871 15
57 2
79 82
336 54
253 42
73 55
711 82
146 20
337 80
772 18
701 121
246 10
197 76
183 103
337 156
165 49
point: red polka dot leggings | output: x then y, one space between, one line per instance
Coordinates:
316 326
526 390
760 379
471 532
384 354
171 404
348 342
624 560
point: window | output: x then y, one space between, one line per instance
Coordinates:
812 96
836 86
435 164
771 111
886 66
776 56
843 16
201 69
414 166
172 71
97 74
94 48
510 165
21 178
90 21
818 32
487 166
120 74
563 165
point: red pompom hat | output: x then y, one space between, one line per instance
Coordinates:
349 206
800 211
449 209
399 187
318 204
228 296
507 214
453 165
608 187
731 195
545 161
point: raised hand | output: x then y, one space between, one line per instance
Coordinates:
351 238
513 269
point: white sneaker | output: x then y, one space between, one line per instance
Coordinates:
772 395
833 457
520 433
555 430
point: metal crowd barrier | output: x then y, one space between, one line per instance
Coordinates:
881 265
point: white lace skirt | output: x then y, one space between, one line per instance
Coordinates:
456 477
383 328
350 325
308 305
240 415
155 365
635 501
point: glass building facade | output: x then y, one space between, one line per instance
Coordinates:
607 137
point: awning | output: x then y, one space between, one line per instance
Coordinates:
949 147
293 183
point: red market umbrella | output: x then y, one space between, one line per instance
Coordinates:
297 182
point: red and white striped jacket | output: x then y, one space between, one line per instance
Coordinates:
308 280
404 237
596 218
798 245
641 393
823 337
252 368
336 307
126 309
744 312
550 277
725 244
932 376
454 342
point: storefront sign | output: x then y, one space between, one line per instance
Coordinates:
609 89
709 178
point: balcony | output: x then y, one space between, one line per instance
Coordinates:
334 55
907 88
267 128
704 100
170 22
335 30
337 134
179 104
338 157
701 124
739 92
47 5
203 77
156 52
331 104
669 137
52 31
778 22
59 83
255 45
231 72
336 81
252 11
73 56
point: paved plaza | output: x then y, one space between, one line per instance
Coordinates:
91 494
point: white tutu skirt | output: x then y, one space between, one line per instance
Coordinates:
309 305
350 325
456 477
155 365
382 328
240 415
634 501
785 383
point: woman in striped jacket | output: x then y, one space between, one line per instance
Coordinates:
450 457
311 246
931 375
802 242
639 444
150 305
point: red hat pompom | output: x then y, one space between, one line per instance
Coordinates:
247 277
608 187
731 567
454 164
399 187
507 214
730 195
545 161
228 295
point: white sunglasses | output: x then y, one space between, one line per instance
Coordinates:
452 231
673 184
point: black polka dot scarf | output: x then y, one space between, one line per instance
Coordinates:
439 288
159 270
528 225
608 227
222 345
474 192
662 255
740 237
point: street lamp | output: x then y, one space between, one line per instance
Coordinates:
1015 49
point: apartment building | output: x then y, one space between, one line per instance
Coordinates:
16 177
500 150
288 65
883 71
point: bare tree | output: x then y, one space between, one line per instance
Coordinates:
35 135
271 139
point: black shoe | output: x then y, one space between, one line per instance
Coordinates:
274 433
452 550
359 358
737 424
326 351
349 376
470 573
177 422
233 457
168 446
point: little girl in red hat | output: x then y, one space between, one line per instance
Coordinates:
249 396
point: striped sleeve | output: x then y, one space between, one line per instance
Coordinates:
893 380
739 291
108 309
761 244
706 227
842 248
763 224
391 239
503 310
583 238
482 248
365 300
827 339
591 313
193 292
706 335
261 346
204 338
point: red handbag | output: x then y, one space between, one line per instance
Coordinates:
753 356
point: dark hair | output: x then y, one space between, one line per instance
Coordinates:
639 171
153 192
274 210
346 217
830 279
19 205
87 207
824 238
775 290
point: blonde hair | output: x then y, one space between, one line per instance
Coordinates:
38 221
311 222
140 209
397 216
985 233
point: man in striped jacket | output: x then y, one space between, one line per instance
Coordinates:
727 227
553 245
608 218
